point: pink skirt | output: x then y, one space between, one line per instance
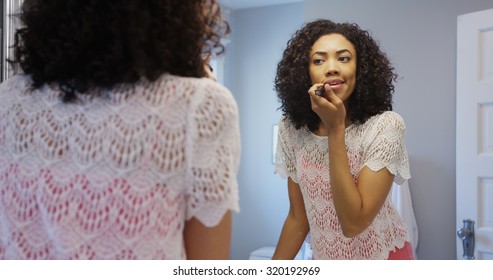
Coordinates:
405 253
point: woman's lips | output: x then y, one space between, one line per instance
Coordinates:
336 84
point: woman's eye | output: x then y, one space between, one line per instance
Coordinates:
317 61
344 58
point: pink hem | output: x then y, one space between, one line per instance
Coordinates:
405 253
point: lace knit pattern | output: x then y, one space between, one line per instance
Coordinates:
303 156
114 177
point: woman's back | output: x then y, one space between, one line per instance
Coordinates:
114 176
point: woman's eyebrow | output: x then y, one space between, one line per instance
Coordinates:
343 51
337 52
319 53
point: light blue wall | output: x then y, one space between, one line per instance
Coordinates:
259 36
420 39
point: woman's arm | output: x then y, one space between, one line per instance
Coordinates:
295 226
213 159
208 243
356 204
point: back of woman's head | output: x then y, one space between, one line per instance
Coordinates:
81 44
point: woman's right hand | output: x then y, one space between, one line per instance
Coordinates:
208 68
328 107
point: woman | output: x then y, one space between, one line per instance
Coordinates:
340 145
113 143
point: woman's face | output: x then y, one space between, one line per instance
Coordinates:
333 61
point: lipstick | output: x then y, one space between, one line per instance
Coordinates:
320 91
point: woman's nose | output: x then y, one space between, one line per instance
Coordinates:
331 68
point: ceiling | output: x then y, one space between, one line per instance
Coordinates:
244 4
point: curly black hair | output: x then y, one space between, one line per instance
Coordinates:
81 44
374 75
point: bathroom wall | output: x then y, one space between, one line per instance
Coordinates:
420 39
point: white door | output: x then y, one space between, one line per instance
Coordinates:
10 24
474 162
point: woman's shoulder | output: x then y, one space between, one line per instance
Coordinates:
387 123
19 81
201 88
286 125
290 133
386 119
19 89
196 83
388 115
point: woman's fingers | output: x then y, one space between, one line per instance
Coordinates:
314 89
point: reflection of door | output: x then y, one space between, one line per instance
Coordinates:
10 24
474 162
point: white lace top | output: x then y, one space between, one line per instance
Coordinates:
114 177
303 156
